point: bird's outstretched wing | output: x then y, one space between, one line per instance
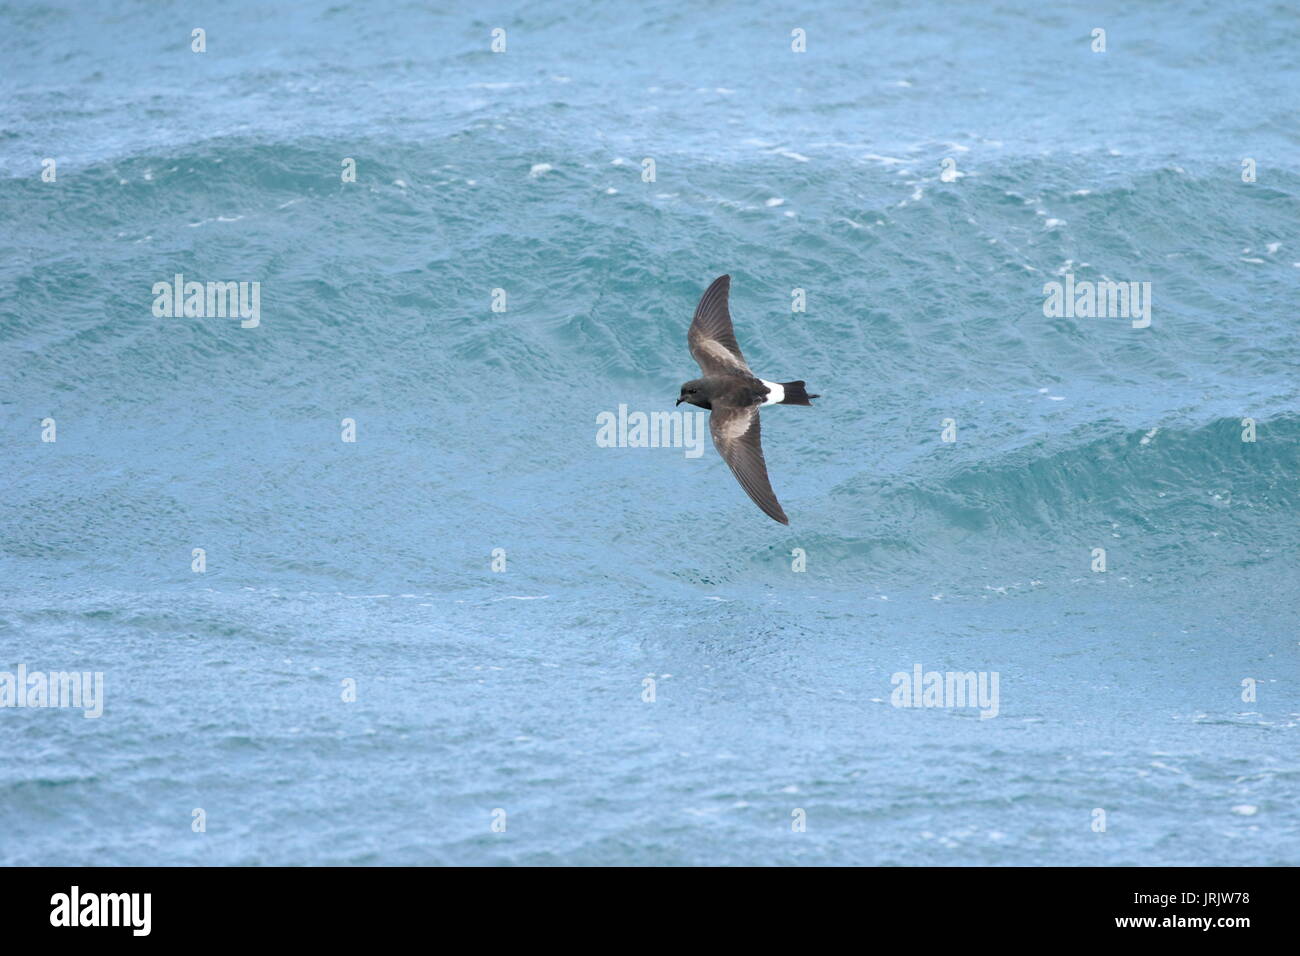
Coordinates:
736 435
712 340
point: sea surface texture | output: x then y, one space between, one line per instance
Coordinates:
480 633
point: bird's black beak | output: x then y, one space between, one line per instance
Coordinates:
680 400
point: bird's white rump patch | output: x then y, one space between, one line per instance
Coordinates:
775 393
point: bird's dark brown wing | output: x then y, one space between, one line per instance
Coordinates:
736 435
712 339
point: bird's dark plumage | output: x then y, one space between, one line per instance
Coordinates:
734 394
738 437
711 338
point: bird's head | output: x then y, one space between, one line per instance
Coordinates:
694 393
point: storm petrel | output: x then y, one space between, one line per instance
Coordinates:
734 395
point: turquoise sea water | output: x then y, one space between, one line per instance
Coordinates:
522 690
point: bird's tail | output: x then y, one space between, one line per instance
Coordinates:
796 394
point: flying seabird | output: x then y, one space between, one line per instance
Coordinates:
734 395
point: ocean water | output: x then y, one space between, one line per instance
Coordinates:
1161 691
